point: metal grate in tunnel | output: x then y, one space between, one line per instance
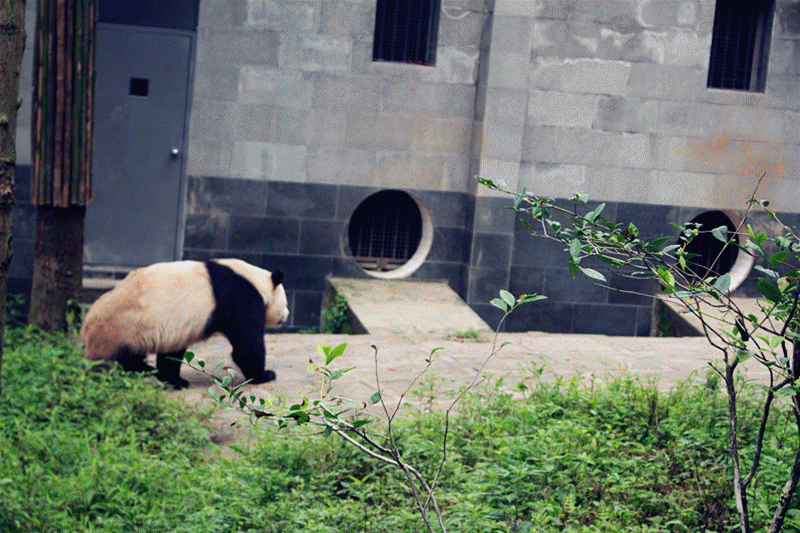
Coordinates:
385 231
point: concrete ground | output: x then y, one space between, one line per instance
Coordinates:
402 357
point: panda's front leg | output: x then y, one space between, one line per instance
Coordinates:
249 355
169 369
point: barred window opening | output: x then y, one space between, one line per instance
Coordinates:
740 45
406 31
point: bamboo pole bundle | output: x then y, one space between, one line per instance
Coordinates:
63 92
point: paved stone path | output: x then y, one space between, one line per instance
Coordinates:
402 357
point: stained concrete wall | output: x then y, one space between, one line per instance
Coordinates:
618 107
287 91
292 124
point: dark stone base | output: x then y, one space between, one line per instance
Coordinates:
479 247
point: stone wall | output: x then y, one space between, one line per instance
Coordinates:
287 91
618 107
292 125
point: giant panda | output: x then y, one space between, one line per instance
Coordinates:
165 307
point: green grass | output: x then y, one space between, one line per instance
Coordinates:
107 451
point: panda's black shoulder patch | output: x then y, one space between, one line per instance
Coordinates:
239 308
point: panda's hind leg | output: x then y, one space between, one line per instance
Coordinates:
132 361
169 369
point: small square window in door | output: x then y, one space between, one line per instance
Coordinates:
139 86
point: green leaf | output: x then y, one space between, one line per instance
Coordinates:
744 355
591 217
486 182
375 398
667 279
723 283
768 272
340 373
188 356
360 423
334 353
497 302
720 233
777 258
528 298
328 431
775 341
592 273
771 292
507 297
573 267
575 248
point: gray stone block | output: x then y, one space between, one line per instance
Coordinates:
291 125
511 34
559 39
617 15
269 161
453 65
434 135
347 94
302 200
216 81
787 20
253 122
462 31
352 19
502 142
784 57
506 106
784 91
631 115
370 131
280 15
237 46
346 166
225 195
562 109
667 82
408 170
552 179
272 87
441 99
223 13
329 128
316 53
667 13
554 9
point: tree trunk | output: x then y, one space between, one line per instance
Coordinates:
57 265
61 142
12 43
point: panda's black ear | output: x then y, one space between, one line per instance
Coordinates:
277 278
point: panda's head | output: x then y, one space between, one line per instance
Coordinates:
277 306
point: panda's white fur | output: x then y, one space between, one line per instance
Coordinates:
165 307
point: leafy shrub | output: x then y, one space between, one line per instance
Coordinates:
334 317
109 451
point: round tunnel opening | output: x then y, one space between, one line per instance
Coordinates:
390 234
711 257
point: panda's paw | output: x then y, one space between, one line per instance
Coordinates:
179 384
266 376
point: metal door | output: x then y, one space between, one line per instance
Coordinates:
140 121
